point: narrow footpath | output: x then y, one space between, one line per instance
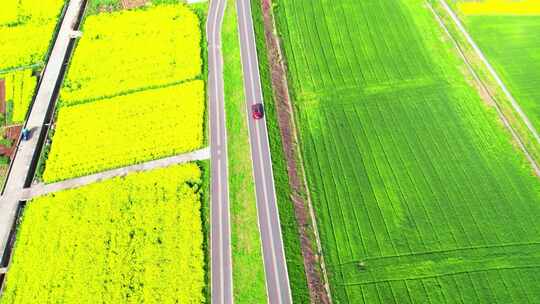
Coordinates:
43 189
25 153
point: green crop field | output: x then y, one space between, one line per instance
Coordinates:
512 45
420 195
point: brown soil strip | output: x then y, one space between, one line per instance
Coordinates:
129 4
311 251
12 133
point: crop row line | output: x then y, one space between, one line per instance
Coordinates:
443 274
374 258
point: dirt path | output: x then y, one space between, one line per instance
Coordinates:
42 189
307 226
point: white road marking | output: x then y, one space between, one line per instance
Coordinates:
261 161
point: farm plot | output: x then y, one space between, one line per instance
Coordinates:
126 129
143 101
419 193
512 45
147 48
136 239
26 31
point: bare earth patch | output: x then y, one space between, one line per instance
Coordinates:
129 4
12 134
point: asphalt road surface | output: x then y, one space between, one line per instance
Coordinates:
220 226
277 278
25 152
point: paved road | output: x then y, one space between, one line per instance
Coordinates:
277 278
491 70
42 189
220 226
23 158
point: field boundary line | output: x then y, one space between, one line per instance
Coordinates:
43 189
483 87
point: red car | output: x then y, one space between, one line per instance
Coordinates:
257 111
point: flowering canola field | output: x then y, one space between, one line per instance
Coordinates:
144 99
126 129
26 29
136 239
500 7
136 50
20 87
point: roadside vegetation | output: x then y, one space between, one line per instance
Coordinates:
136 239
488 82
419 192
248 269
289 225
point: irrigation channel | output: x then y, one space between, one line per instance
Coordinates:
23 167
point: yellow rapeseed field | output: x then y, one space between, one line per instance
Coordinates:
125 51
26 29
125 130
136 239
20 87
500 7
